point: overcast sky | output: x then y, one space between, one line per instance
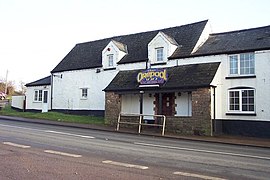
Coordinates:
35 35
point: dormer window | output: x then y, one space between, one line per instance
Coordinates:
110 60
159 54
160 48
112 54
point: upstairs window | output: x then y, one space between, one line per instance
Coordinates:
242 64
242 100
84 93
110 60
38 96
159 54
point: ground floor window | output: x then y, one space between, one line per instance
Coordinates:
168 104
183 104
84 93
242 100
38 96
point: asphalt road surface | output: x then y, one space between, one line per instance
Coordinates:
36 151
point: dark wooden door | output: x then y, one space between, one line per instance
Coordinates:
166 104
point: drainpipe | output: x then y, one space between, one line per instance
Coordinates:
213 122
51 91
141 102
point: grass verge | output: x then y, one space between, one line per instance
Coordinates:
54 116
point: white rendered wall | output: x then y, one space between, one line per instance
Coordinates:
261 84
67 90
30 93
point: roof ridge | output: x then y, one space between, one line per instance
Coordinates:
150 31
241 30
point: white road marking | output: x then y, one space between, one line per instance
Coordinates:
125 164
62 153
16 145
197 176
49 131
18 127
204 151
69 134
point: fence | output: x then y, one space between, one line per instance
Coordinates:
18 102
140 123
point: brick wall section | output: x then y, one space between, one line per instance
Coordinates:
198 124
112 107
200 121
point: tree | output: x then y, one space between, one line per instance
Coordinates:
10 87
23 87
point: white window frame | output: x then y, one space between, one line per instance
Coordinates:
159 54
84 93
110 58
38 95
239 64
241 103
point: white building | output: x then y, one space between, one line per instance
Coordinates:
202 82
38 94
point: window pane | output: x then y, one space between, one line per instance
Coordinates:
84 92
110 60
234 100
40 95
234 64
36 96
247 63
248 100
244 108
159 54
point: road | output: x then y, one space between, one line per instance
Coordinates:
38 151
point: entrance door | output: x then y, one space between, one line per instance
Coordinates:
166 104
45 101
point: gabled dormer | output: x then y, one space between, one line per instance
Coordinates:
112 54
160 48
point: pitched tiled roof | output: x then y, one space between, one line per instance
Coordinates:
40 82
236 41
179 77
89 54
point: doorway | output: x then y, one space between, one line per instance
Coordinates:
45 101
164 103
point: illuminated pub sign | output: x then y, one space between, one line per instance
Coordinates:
152 76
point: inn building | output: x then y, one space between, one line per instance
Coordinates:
204 83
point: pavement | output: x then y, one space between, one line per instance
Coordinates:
225 139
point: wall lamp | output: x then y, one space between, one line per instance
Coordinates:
58 75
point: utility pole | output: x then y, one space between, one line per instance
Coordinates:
6 82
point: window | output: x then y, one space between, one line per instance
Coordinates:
84 93
242 100
110 60
242 64
38 95
159 54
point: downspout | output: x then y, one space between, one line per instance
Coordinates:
51 91
213 123
141 102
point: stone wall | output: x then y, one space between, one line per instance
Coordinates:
200 121
198 124
112 107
